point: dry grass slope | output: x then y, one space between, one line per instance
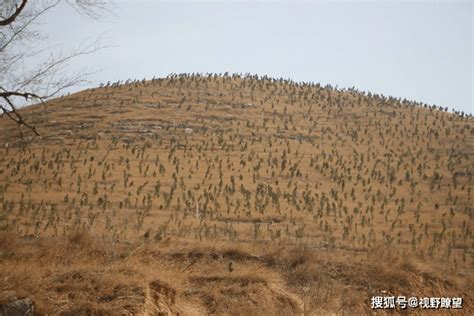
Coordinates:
234 195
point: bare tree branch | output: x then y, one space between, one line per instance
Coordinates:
17 12
50 67
21 29
91 8
18 85
25 95
14 115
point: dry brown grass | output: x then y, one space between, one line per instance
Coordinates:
67 278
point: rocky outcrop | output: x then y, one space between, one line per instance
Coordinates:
10 305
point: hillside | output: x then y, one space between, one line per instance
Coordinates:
235 195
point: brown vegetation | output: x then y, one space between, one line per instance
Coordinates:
77 275
229 194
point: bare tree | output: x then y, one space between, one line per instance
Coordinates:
20 84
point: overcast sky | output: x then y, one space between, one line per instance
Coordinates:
419 50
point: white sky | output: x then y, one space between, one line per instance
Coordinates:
419 50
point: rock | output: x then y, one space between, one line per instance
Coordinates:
17 307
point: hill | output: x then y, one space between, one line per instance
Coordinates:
232 194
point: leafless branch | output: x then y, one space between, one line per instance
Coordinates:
91 8
46 80
15 14
13 114
21 29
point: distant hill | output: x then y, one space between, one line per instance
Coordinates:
212 189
